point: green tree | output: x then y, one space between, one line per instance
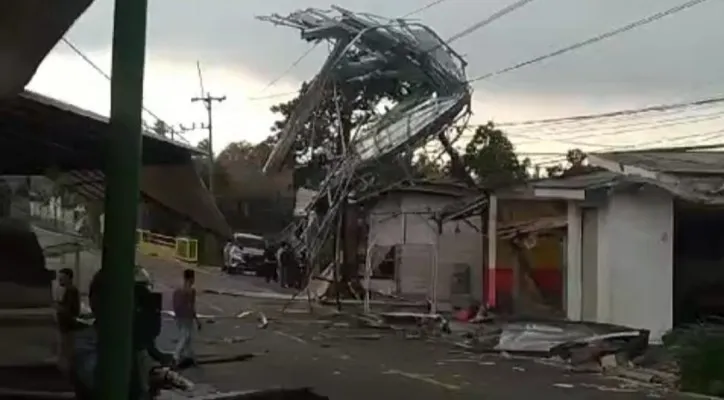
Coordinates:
575 164
491 158
221 179
340 110
160 128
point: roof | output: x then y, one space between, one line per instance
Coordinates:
439 188
39 133
675 162
585 181
689 175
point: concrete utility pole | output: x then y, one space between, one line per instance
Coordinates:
208 101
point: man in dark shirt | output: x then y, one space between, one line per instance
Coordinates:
67 312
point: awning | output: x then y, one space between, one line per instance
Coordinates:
29 29
38 134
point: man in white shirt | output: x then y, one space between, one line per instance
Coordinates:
227 255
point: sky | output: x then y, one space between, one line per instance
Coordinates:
675 59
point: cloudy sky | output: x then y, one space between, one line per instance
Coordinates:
676 59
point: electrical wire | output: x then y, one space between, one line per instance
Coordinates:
593 40
487 21
624 112
423 8
289 69
100 70
620 131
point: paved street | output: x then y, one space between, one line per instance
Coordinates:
344 362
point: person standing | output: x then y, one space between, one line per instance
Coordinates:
269 264
67 312
184 307
287 265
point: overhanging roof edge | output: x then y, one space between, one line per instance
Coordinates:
70 108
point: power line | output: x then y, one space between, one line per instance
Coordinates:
492 18
595 39
624 112
100 70
290 68
703 137
423 8
638 127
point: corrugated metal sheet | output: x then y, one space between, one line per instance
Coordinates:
676 162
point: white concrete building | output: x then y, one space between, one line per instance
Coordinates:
404 243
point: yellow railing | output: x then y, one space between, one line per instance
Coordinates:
157 245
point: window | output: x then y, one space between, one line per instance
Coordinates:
386 269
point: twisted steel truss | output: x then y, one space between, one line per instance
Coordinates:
384 48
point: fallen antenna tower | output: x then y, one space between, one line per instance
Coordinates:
395 49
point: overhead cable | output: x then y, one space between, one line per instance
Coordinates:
290 68
492 18
630 111
423 8
593 40
100 70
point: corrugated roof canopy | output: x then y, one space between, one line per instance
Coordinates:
38 133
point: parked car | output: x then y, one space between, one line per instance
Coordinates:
248 255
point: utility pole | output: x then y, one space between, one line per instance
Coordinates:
208 101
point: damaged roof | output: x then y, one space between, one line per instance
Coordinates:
689 175
585 181
432 187
675 162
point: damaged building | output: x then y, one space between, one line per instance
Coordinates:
638 239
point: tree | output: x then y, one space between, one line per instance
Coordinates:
160 128
491 158
221 180
342 109
576 165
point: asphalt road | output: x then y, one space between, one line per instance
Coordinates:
341 361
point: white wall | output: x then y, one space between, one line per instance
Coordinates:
406 219
635 261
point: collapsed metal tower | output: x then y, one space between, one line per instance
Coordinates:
384 48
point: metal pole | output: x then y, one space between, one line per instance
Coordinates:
122 170
435 264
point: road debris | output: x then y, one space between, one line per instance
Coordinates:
422 378
563 385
